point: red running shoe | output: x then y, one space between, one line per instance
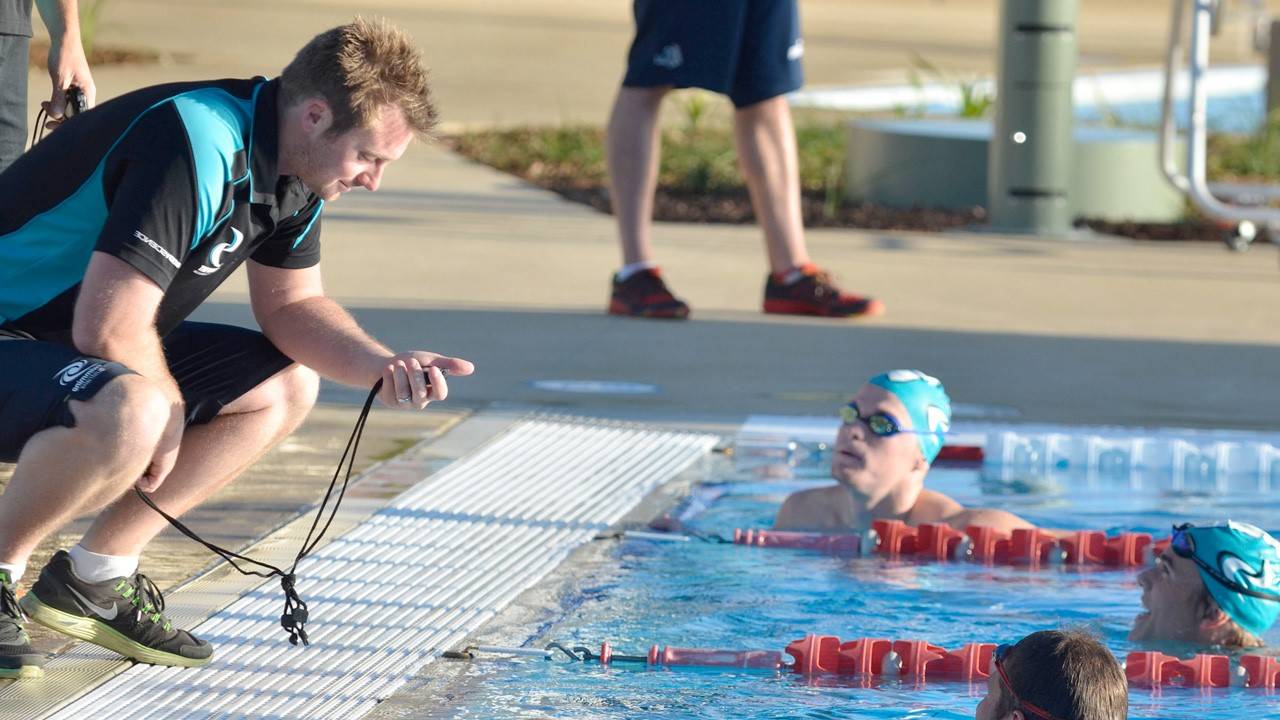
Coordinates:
644 294
814 294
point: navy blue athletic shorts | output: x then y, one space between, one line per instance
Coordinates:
213 365
749 50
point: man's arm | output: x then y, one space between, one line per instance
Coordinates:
294 313
115 320
67 63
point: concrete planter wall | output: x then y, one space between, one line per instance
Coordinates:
908 163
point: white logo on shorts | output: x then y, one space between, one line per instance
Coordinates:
796 51
81 373
670 57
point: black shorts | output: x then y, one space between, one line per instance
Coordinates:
213 365
749 50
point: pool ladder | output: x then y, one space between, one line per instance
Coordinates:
1242 207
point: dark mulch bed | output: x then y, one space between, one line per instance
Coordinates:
38 55
734 208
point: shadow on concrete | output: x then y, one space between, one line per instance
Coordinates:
730 366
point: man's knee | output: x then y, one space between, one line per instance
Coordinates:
300 387
127 416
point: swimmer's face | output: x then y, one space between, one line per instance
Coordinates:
1171 592
995 690
874 466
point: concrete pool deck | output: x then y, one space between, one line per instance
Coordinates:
460 259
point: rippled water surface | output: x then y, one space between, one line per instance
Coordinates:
638 593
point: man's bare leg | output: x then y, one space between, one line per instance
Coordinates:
767 155
632 147
66 472
211 456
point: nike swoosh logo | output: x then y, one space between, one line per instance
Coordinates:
104 613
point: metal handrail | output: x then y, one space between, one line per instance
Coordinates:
1193 182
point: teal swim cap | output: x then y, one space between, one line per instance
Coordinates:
1247 557
926 402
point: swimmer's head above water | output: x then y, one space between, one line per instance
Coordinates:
1215 585
892 430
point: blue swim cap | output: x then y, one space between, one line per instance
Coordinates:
926 402
1246 555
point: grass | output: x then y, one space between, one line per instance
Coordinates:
698 178
701 160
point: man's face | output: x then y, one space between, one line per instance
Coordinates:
874 466
995 691
1171 590
330 165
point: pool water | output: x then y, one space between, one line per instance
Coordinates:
635 593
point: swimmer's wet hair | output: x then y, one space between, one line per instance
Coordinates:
358 68
1067 672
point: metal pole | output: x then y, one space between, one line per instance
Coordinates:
1273 70
1032 139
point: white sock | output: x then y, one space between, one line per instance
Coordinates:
793 275
15 570
94 568
628 270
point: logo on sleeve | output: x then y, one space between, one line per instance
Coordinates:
214 263
168 256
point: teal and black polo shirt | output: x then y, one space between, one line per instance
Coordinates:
180 181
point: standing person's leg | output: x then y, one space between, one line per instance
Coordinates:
767 156
678 44
242 396
13 97
632 147
769 66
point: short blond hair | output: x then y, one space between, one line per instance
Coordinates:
358 68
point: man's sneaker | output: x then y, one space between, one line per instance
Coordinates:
18 660
124 615
813 293
644 294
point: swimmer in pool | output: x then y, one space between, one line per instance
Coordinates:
893 429
1215 585
1055 675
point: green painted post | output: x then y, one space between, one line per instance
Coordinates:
1031 145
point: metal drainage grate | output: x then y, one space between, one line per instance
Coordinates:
414 579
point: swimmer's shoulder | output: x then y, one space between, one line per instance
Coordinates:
934 507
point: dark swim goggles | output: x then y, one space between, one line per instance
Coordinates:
1184 545
880 424
1026 707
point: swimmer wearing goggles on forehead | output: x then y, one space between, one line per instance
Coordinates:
891 432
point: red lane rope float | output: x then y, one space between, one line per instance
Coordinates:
917 659
1024 546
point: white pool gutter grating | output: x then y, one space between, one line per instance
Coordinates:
415 579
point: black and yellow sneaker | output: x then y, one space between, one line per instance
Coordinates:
18 660
124 615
